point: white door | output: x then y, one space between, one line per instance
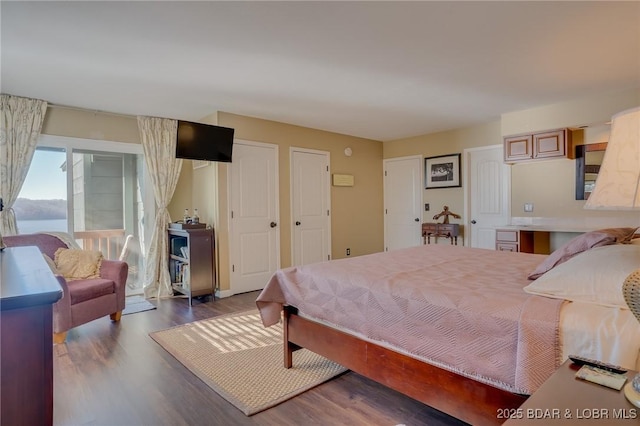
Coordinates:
254 227
310 206
488 194
402 202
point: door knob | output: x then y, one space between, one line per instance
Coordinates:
473 222
298 223
273 224
417 219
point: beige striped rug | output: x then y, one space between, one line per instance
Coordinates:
243 361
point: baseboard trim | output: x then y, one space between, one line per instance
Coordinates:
221 294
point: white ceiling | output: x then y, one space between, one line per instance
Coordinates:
379 70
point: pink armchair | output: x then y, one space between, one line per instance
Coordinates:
82 300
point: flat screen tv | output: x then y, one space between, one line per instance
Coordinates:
197 141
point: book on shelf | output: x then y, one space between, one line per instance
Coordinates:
176 245
177 272
184 252
186 277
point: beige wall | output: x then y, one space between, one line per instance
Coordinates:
357 221
549 184
356 212
587 111
79 123
443 143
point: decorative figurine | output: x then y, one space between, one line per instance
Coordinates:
446 213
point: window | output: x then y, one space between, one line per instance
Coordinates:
94 190
42 203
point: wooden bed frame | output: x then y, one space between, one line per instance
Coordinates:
461 397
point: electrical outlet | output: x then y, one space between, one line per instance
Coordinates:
426 207
528 207
348 252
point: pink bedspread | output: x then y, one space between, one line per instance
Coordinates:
458 308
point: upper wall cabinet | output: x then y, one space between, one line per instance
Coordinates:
537 146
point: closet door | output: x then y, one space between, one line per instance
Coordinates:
402 202
254 223
310 206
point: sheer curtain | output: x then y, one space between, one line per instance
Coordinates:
158 137
20 124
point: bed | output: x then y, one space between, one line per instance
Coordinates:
450 326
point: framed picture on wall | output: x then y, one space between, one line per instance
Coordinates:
442 171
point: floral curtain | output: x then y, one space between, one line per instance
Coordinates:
20 124
158 137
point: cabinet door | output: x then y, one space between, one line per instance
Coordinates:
507 235
200 262
518 148
550 144
507 239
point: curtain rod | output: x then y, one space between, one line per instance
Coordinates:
95 111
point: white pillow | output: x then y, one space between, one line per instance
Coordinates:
593 276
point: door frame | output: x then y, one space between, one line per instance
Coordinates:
232 230
466 166
327 155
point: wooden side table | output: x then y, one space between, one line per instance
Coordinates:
565 400
446 230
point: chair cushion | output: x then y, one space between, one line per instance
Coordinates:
83 290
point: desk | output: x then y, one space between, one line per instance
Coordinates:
28 290
523 240
446 230
565 400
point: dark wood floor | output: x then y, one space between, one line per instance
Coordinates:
115 374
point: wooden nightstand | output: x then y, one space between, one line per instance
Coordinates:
446 230
565 400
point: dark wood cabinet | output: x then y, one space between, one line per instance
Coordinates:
435 230
537 146
28 292
191 264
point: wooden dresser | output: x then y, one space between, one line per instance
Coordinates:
28 291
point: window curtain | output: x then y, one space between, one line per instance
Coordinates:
20 125
158 137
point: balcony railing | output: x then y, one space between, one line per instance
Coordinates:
108 241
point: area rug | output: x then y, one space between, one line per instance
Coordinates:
242 360
134 304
